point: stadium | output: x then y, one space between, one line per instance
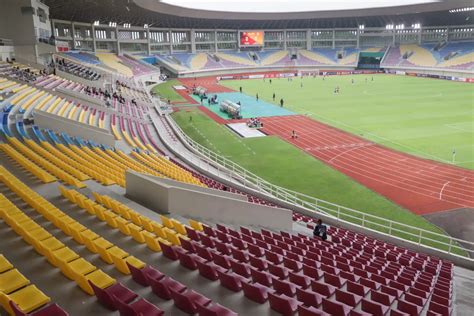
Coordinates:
176 157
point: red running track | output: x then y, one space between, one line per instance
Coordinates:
210 83
420 185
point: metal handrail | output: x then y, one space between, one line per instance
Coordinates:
340 213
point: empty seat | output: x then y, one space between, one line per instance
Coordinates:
408 308
221 260
347 298
168 250
300 280
278 271
209 270
240 255
335 308
310 311
324 289
188 300
50 310
189 260
203 252
440 309
258 263
143 276
163 286
283 304
256 292
240 268
231 280
334 280
417 300
292 264
213 310
109 296
374 308
284 287
309 297
382 298
262 277
223 248
312 272
273 257
139 307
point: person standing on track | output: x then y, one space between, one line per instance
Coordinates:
293 134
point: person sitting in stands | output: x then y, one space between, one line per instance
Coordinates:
320 230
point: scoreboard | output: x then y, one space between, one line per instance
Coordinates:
251 38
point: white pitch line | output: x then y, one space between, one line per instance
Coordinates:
441 192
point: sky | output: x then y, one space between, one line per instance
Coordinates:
288 5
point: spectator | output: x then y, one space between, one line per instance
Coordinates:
320 230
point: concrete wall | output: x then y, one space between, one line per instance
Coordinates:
73 128
81 97
211 205
6 52
183 185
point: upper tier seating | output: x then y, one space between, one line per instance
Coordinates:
84 57
275 58
443 56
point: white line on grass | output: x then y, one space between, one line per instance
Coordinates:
453 126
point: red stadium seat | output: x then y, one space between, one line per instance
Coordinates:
283 304
334 308
374 308
256 292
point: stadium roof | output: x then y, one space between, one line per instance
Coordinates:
273 6
158 14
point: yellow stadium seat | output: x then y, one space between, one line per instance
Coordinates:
87 234
178 227
50 244
172 237
11 281
196 225
136 232
110 218
27 299
100 243
79 266
146 223
121 263
98 278
106 254
166 222
63 255
5 265
122 225
152 241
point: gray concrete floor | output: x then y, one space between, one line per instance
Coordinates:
458 223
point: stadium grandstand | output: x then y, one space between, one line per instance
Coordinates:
178 157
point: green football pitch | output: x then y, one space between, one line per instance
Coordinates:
425 117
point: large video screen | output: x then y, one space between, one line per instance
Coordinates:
251 38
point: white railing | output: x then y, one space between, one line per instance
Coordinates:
415 235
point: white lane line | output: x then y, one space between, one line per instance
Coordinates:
441 192
344 152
